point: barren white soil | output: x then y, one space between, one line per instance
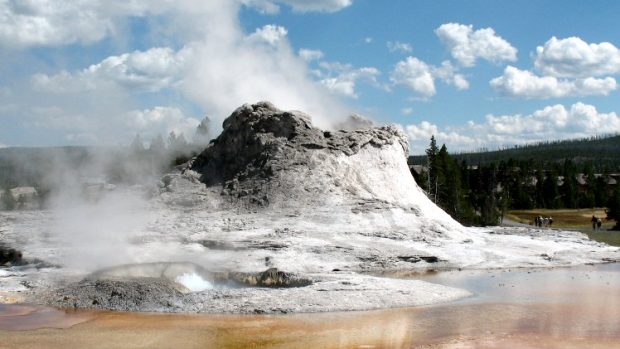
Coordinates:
334 246
333 216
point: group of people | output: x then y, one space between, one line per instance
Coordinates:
541 221
596 223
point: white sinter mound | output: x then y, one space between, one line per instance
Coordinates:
272 191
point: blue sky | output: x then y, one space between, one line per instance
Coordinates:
474 73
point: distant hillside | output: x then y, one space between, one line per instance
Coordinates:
31 166
45 166
602 153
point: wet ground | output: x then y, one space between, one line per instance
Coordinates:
558 308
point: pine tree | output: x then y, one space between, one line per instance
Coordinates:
203 132
137 145
445 182
570 186
488 212
613 207
586 199
600 190
431 155
172 138
550 190
8 201
538 188
158 155
421 179
158 146
520 196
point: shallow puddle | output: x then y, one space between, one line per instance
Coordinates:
559 308
16 317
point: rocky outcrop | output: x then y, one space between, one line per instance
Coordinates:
271 277
159 286
10 256
139 294
266 156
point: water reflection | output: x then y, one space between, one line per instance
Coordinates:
561 308
15 317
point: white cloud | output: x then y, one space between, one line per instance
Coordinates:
422 131
225 70
58 22
420 77
550 123
419 137
317 5
556 121
416 75
344 87
448 73
270 34
213 72
259 66
573 57
460 82
264 6
368 40
150 70
406 111
161 120
398 46
467 45
587 119
96 126
91 123
341 78
522 83
310 55
46 22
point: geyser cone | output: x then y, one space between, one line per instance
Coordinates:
266 157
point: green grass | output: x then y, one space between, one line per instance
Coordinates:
609 237
578 219
572 219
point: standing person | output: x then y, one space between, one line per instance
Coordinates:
550 221
593 220
599 222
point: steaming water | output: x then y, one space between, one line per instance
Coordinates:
194 282
558 308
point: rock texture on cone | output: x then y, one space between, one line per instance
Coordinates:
266 157
274 201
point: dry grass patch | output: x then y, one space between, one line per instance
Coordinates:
572 219
562 218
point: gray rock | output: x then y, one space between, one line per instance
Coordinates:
10 256
265 156
139 294
154 287
271 277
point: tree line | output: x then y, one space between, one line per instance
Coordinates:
599 152
480 194
47 169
